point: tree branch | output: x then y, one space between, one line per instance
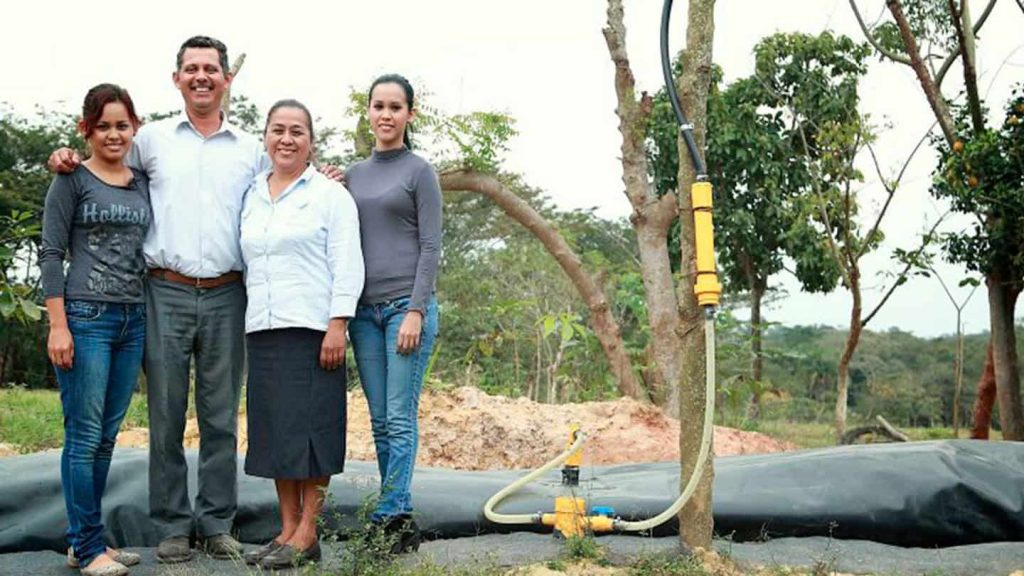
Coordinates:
605 326
941 75
890 188
836 254
225 99
901 59
632 114
900 278
931 90
962 24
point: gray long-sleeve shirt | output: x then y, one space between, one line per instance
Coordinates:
100 228
399 201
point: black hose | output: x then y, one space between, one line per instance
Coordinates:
666 69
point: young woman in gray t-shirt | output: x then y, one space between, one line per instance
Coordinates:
393 331
96 217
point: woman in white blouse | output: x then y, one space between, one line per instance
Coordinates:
304 274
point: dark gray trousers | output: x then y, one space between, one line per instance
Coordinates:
208 324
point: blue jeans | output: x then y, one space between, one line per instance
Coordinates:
392 383
95 394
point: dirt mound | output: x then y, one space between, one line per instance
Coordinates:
467 429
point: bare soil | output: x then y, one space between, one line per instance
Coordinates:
468 429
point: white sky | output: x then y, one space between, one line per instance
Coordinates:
542 61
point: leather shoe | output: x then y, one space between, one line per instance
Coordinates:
253 557
173 550
287 556
403 533
222 547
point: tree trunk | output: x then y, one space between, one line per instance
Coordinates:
605 327
985 398
1002 299
695 520
225 99
652 216
662 311
843 370
958 375
757 290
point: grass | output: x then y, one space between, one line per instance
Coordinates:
660 565
32 420
815 435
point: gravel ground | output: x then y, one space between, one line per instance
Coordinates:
851 556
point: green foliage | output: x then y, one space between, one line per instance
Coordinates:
668 565
478 139
984 177
583 548
25 145
32 420
930 24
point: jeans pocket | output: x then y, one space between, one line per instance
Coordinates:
83 310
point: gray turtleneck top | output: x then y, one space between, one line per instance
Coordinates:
399 201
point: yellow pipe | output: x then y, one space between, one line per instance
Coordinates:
707 288
576 459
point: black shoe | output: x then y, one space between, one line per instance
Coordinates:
287 556
403 534
253 557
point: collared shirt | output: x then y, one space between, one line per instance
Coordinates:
303 259
196 188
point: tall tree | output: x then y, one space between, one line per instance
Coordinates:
676 320
914 34
759 179
814 80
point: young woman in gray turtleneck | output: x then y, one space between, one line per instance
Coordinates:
393 331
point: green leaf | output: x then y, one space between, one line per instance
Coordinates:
566 331
32 310
549 325
7 303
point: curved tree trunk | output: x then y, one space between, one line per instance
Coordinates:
843 370
606 328
985 398
1002 299
695 520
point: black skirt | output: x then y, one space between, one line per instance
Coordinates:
295 409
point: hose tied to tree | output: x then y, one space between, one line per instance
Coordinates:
708 291
707 294
705 443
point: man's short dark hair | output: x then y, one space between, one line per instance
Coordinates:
205 42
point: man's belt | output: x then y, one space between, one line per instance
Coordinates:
172 276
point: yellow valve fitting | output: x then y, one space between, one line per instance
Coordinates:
600 523
707 288
568 519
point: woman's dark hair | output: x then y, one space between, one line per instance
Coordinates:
293 103
410 97
97 98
